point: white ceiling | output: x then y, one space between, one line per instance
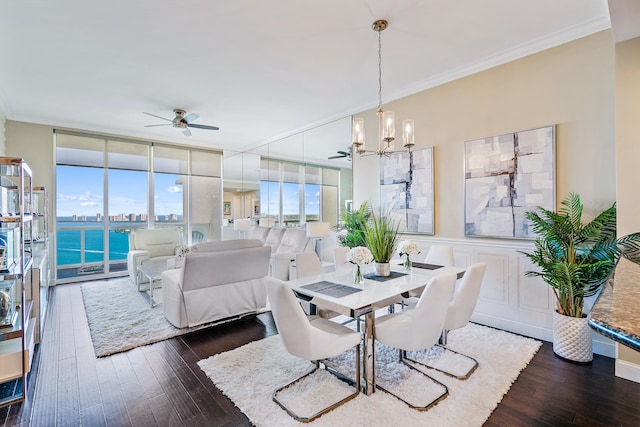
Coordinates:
260 70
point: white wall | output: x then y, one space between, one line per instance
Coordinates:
3 138
572 86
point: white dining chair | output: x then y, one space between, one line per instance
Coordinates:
418 328
340 256
308 264
312 338
461 308
440 255
437 255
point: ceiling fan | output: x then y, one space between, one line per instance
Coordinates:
181 122
342 154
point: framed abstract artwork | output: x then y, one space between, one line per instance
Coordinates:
506 176
406 189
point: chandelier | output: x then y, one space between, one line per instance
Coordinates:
386 121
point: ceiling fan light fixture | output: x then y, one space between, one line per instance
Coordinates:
182 122
386 119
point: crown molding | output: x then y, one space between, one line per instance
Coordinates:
535 46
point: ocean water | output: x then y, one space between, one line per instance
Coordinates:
68 246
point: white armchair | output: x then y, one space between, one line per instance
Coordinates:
293 241
151 244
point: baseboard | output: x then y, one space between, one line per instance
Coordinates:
627 370
601 345
513 326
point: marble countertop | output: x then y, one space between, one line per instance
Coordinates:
616 313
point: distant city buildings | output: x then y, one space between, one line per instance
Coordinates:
131 217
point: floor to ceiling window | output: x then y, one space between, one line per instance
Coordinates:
105 188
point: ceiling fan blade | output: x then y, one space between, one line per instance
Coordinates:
153 115
163 124
344 153
186 132
337 157
202 126
190 117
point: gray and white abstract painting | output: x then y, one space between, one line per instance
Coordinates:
406 189
506 176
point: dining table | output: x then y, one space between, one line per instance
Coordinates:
337 291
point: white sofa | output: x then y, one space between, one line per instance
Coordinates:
218 280
285 243
151 244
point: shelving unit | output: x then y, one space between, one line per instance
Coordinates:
17 330
40 203
40 270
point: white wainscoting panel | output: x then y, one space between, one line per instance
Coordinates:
508 299
495 287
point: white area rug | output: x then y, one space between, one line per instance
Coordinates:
121 319
248 375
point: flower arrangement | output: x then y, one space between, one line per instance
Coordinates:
359 255
408 248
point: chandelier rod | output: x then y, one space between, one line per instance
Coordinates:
379 29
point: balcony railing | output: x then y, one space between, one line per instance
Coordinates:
80 249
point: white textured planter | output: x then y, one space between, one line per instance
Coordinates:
572 338
383 269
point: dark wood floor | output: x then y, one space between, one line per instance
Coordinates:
161 384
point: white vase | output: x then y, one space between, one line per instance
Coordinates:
383 269
572 338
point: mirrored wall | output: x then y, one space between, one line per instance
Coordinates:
289 182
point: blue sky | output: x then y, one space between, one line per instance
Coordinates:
80 192
269 198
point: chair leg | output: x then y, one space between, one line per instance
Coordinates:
332 406
355 319
428 406
443 337
460 377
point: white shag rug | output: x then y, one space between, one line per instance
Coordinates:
121 319
249 374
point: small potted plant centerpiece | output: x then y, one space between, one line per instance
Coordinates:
576 260
381 235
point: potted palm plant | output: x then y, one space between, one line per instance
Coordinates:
576 259
381 234
354 223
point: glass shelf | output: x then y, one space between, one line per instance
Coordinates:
16 236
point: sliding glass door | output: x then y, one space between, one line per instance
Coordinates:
107 188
